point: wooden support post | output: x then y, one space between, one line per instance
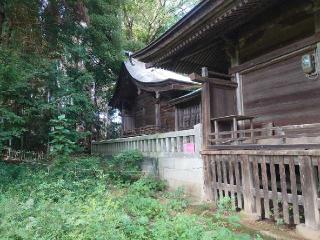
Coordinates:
309 190
252 132
157 110
216 131
235 129
206 115
176 118
247 184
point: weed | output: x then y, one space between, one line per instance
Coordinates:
226 205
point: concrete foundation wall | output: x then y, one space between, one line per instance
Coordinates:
174 157
182 171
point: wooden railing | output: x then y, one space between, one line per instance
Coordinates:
252 136
278 185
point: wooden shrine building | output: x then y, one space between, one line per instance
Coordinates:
259 65
143 97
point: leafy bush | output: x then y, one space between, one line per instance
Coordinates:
226 205
61 137
177 200
126 166
147 186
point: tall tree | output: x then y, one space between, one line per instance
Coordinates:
145 20
56 57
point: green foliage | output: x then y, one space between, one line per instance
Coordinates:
126 166
147 186
226 205
56 57
145 20
12 88
76 199
114 130
61 142
177 200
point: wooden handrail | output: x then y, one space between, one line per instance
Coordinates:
280 128
278 133
246 131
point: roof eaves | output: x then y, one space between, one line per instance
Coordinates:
192 14
186 97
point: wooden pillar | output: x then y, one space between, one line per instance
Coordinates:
206 115
216 131
176 118
235 129
251 132
157 110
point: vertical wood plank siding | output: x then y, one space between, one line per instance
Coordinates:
144 114
188 116
274 185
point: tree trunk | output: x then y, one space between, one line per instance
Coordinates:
2 17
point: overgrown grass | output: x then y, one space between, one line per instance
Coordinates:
80 199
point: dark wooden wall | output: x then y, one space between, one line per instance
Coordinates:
167 112
279 92
167 115
189 114
277 27
282 94
141 112
222 101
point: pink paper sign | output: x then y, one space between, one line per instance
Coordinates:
188 148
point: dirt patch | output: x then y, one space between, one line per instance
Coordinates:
267 229
270 229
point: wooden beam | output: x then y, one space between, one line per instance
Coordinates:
195 52
176 118
219 75
215 81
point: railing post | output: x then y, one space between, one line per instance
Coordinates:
311 228
309 191
167 144
173 144
247 184
198 138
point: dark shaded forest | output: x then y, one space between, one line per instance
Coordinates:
59 61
